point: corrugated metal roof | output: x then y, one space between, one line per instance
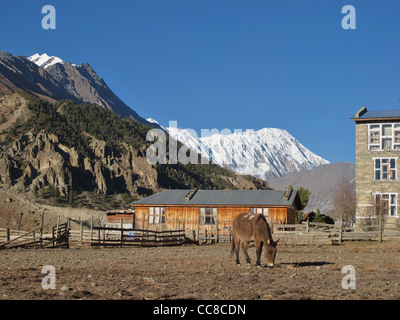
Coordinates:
222 197
378 114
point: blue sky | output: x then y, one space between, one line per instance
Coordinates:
231 64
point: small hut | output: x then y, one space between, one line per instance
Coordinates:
115 217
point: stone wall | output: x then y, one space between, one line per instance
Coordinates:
366 185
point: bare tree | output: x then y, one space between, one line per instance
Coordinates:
344 201
381 205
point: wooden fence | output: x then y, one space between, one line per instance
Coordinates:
307 233
121 237
36 238
202 234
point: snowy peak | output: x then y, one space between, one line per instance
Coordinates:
151 120
44 60
265 153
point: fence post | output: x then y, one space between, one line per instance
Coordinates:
67 232
91 231
216 226
58 224
41 226
122 231
307 225
81 240
8 234
20 220
340 230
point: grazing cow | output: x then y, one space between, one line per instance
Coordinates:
253 227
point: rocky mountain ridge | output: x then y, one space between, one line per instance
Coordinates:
266 153
58 80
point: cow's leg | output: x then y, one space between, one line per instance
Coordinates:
245 246
259 246
237 243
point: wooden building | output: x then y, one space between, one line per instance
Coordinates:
115 217
193 209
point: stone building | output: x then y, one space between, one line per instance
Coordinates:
377 162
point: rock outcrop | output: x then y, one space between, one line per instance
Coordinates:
44 161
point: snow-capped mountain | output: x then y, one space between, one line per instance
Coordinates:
265 153
55 79
44 60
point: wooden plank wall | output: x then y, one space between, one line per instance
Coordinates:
188 216
116 218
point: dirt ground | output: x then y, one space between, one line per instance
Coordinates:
202 272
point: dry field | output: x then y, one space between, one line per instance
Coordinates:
202 272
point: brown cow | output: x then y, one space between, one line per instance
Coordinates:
253 227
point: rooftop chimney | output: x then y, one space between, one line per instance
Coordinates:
287 194
190 194
360 112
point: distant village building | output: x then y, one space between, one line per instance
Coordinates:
121 219
377 162
208 208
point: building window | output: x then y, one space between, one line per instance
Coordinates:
156 215
386 204
385 136
208 215
264 211
385 168
374 137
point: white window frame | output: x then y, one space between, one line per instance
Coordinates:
391 205
156 215
210 218
378 128
263 210
390 169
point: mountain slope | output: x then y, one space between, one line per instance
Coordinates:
66 149
321 181
53 79
266 153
